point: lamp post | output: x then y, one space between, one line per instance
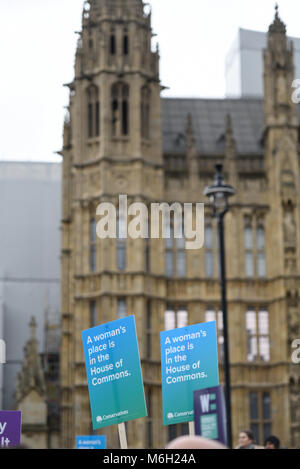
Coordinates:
218 194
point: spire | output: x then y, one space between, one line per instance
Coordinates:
32 327
277 27
278 76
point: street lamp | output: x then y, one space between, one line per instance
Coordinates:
219 194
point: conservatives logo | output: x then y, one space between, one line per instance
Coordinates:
173 415
2 352
100 419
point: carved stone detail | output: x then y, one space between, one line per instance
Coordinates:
31 376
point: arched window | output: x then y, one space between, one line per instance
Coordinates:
258 340
120 109
125 42
90 40
93 245
260 250
248 247
145 112
93 111
147 254
175 317
175 252
93 313
209 250
121 242
112 42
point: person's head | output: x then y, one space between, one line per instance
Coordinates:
246 438
194 442
272 442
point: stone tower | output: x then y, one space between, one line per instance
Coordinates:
281 136
112 146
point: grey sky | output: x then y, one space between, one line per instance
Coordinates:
37 47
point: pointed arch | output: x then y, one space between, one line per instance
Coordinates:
93 111
112 42
120 109
126 43
145 111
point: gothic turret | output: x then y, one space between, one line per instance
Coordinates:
278 76
116 79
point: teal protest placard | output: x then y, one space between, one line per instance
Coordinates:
114 373
189 361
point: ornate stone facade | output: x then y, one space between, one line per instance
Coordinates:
119 139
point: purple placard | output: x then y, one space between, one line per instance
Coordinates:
210 414
10 428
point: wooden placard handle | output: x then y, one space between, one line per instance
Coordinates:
122 435
191 428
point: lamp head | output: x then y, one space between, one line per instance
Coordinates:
219 193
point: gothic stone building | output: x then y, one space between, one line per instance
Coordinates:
121 137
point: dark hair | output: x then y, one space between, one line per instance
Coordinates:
274 441
249 434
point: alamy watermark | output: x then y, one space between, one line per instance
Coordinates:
296 353
2 352
137 221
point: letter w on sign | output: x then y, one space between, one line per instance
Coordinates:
204 399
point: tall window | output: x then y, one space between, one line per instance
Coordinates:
258 341
180 257
93 313
248 244
260 250
147 254
121 308
120 109
125 42
209 251
145 112
112 42
147 248
212 315
93 245
260 415
175 255
121 244
93 111
175 317
148 329
174 431
149 425
169 255
254 245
